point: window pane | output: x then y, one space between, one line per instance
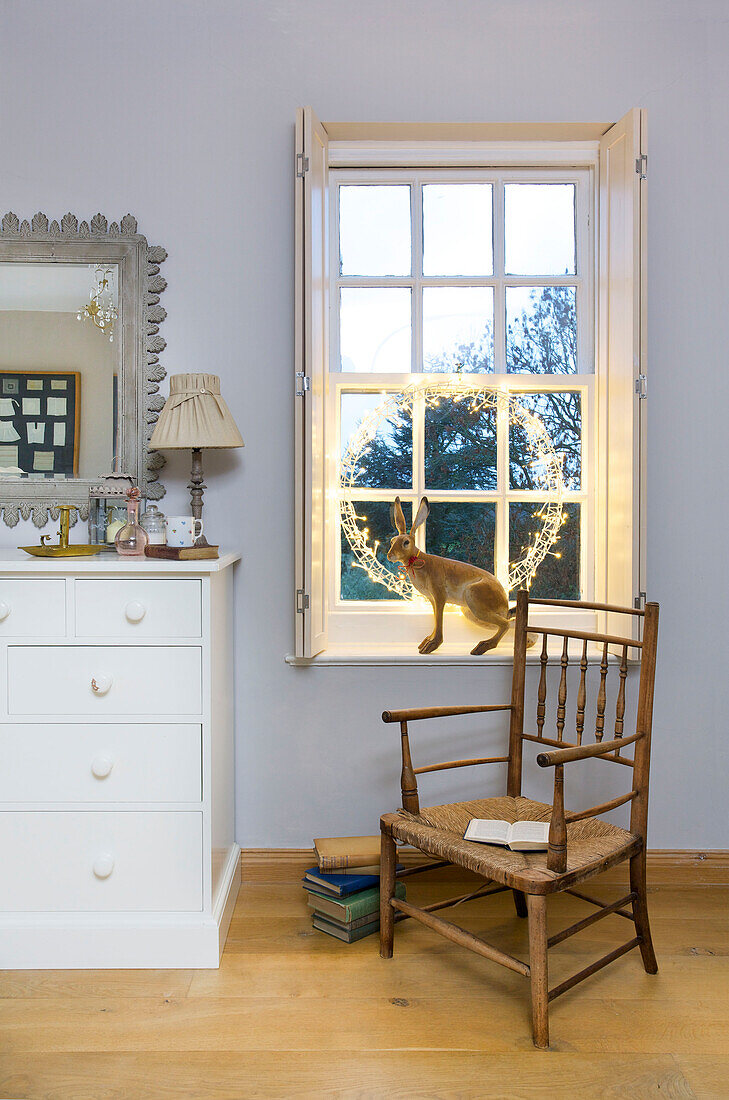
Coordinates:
374 230
541 330
561 414
457 229
540 228
458 329
386 461
374 515
558 578
375 329
466 532
460 446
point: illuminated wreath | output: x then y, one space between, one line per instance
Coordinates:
545 462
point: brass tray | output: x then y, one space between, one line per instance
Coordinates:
78 551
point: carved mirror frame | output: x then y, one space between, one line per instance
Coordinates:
140 371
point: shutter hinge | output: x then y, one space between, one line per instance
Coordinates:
639 601
641 166
302 601
641 387
303 381
302 165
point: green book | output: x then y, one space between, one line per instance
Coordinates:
345 934
356 906
352 925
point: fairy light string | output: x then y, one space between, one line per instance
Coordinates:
545 462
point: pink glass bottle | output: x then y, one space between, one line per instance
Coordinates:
131 539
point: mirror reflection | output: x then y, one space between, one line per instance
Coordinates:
59 370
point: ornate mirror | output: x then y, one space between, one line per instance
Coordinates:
79 361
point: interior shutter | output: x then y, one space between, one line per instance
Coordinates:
312 351
622 349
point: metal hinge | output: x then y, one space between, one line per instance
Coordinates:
303 381
641 166
639 601
641 387
302 601
302 165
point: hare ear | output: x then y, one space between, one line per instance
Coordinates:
422 514
397 517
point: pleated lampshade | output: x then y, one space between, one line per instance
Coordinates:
195 415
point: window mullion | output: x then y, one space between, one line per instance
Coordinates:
416 251
499 294
419 460
501 550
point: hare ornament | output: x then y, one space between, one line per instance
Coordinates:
480 596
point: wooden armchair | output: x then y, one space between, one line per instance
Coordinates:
580 846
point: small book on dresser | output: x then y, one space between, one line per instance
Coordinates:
520 836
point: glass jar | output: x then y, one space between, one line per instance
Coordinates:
131 540
153 522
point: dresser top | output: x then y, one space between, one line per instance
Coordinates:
17 561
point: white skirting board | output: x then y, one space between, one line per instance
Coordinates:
65 941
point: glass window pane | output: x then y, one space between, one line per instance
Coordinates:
375 329
386 462
458 329
374 515
540 228
374 229
457 229
541 330
561 414
557 578
460 446
463 531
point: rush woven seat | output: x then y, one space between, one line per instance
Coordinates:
438 830
581 845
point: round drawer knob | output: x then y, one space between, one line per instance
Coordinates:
101 766
4 610
135 611
103 865
100 684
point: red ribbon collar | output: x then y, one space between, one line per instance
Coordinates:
412 562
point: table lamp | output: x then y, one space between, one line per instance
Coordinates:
195 417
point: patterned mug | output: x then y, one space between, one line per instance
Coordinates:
182 530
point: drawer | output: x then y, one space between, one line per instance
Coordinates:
32 608
101 862
132 608
101 762
96 680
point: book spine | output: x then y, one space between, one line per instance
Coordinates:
329 865
356 909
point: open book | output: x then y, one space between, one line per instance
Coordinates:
521 836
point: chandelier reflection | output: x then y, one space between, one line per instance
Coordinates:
100 308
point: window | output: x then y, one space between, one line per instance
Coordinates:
443 311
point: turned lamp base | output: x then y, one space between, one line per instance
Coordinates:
197 487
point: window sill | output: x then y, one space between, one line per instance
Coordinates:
448 656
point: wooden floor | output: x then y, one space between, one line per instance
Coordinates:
294 1013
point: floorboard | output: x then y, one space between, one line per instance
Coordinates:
294 1013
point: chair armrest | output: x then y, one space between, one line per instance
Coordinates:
417 713
582 752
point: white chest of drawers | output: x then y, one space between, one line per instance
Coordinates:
117 813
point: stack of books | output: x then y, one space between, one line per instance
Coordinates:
344 887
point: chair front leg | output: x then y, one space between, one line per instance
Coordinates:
557 851
538 974
387 891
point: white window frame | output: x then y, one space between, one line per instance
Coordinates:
616 413
392 622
